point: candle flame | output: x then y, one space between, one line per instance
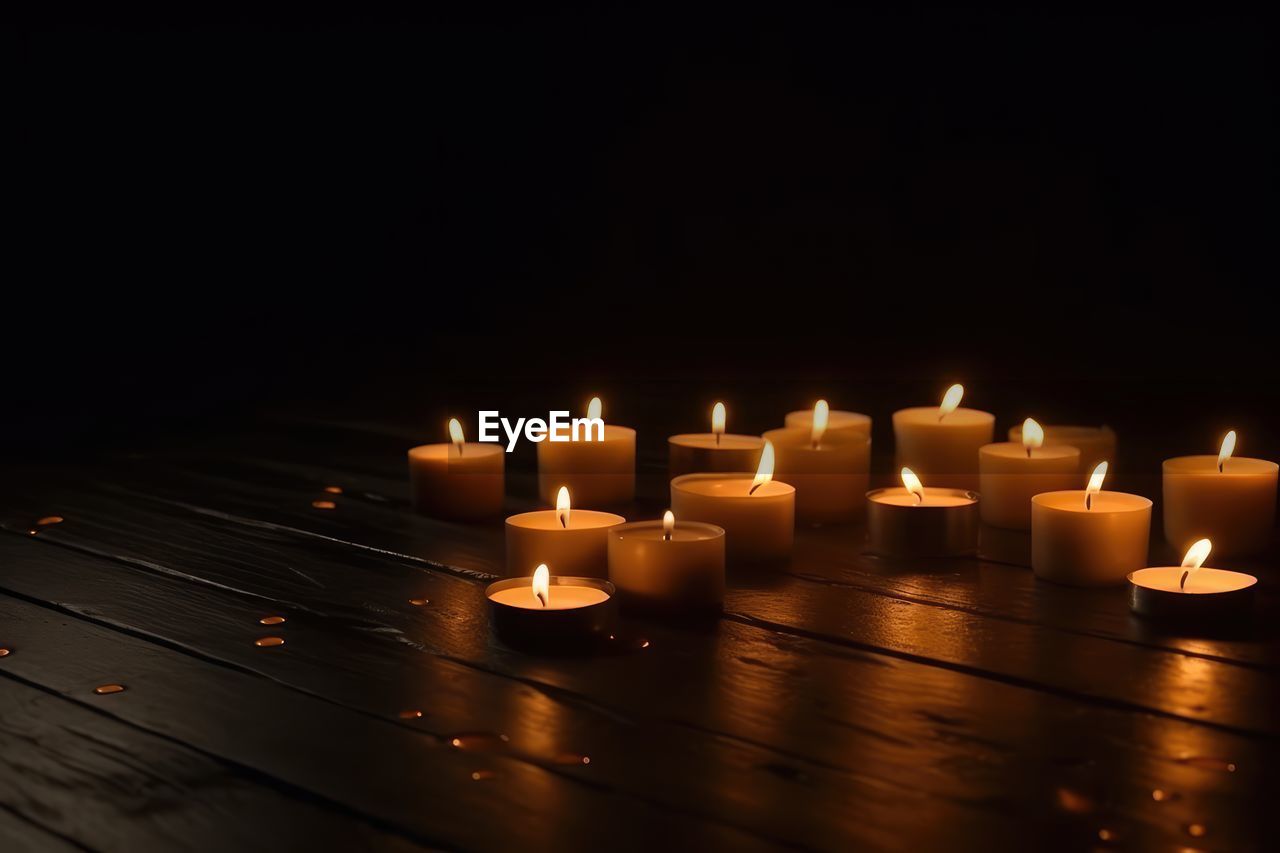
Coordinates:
717 421
951 400
542 583
668 524
1196 555
1032 435
765 472
594 408
913 484
455 434
1095 483
1228 447
562 506
821 415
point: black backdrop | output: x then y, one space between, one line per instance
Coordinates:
1075 215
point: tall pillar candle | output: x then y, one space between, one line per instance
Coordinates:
1229 499
1010 475
599 468
941 443
460 480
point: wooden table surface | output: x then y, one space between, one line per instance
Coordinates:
856 703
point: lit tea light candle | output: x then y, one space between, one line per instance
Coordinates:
837 420
1231 500
829 469
1090 537
668 565
1190 593
1096 444
459 480
941 443
573 540
912 521
600 472
756 512
1010 474
551 613
717 450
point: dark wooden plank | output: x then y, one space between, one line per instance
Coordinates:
815 706
1220 693
389 773
18 834
99 784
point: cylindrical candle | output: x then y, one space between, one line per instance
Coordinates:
837 421
575 542
759 527
1009 475
599 473
675 566
1094 546
932 522
941 443
1212 595
574 613
830 478
1096 444
691 453
461 480
1234 506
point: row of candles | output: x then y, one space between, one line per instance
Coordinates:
736 499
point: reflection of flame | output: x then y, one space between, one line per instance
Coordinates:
717 421
1095 483
951 400
1196 555
562 506
1228 447
455 434
821 413
668 524
594 408
1032 435
542 584
913 484
765 472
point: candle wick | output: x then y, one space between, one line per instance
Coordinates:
1220 464
919 498
542 598
564 522
751 491
459 450
1028 452
1182 584
666 537
717 439
1088 500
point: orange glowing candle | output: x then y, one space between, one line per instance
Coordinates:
599 472
1231 500
576 541
1010 474
717 450
940 443
1090 537
459 480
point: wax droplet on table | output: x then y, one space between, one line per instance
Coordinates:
323 504
1158 795
49 519
1073 801
33 531
569 758
1209 763
419 602
411 714
104 689
272 620
479 741
481 775
269 641
4 653
333 490
1196 829
1106 835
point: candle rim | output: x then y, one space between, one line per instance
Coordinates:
970 495
605 519
753 441
445 449
932 411
735 475
832 415
713 531
801 438
600 584
1137 504
1082 430
1044 451
1191 465
1134 579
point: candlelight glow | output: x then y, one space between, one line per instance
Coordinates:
821 414
455 434
1228 447
562 506
542 583
668 524
1032 435
1196 555
913 484
951 400
765 472
717 421
594 408
1095 483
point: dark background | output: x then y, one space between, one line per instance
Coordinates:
1073 214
